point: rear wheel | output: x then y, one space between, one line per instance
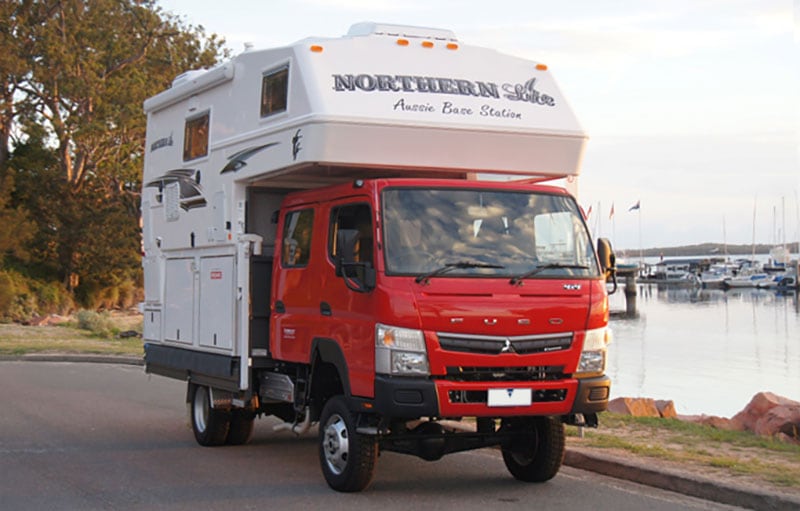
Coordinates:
241 426
347 457
210 426
536 451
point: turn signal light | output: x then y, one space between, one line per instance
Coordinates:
316 48
541 67
427 44
402 42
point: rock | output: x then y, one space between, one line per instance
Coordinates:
666 409
780 419
787 439
637 407
37 321
758 407
710 420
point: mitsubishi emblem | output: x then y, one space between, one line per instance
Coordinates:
508 347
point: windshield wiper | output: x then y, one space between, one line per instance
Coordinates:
451 266
549 266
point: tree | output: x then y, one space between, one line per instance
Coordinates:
74 84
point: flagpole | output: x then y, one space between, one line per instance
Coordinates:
641 257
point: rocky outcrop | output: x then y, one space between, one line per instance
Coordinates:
666 409
767 414
770 415
642 407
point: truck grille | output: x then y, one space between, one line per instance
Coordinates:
525 373
493 345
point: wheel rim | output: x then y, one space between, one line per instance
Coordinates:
335 444
201 408
524 453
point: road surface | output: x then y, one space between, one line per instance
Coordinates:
104 436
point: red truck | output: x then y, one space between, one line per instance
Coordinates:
334 246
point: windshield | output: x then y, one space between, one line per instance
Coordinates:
484 233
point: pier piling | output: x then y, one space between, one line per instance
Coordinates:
629 274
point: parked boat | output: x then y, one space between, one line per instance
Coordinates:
717 274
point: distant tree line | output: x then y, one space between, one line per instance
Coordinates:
74 76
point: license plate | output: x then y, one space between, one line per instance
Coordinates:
509 397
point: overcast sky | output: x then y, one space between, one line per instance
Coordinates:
691 106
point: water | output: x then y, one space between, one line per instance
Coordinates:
709 351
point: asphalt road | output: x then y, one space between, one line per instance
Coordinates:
104 436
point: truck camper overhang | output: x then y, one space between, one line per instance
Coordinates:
410 97
381 101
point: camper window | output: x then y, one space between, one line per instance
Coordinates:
274 92
195 137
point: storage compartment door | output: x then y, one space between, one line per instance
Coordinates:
179 307
217 304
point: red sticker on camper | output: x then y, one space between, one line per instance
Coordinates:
216 274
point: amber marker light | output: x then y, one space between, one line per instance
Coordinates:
541 67
427 44
402 42
452 46
316 48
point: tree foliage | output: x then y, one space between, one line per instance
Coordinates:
74 76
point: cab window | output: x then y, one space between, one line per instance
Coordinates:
297 229
353 216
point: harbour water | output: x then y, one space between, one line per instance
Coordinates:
709 351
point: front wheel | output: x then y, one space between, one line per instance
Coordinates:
347 457
536 451
210 426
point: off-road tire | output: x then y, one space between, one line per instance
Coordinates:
240 430
210 426
535 453
347 458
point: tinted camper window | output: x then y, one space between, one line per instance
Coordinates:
195 137
274 92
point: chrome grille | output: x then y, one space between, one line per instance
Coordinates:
494 345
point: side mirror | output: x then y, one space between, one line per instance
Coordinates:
346 240
358 276
608 261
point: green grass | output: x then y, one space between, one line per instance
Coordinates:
736 453
69 338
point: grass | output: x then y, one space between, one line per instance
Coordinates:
70 338
736 456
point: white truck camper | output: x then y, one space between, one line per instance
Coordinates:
227 148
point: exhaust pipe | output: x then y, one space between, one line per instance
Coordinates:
298 428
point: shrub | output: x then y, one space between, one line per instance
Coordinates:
100 324
23 297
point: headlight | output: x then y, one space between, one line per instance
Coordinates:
400 351
593 355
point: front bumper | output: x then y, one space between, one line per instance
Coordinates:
411 398
591 395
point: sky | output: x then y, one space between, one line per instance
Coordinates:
691 106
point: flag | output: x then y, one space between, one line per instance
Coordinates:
635 206
612 211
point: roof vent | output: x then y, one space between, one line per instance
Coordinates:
369 28
187 76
